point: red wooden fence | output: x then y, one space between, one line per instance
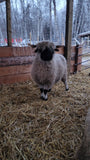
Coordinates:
15 63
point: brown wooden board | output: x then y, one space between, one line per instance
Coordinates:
14 70
61 50
15 63
12 61
79 61
72 66
16 51
15 78
73 49
21 51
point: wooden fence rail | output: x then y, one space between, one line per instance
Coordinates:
15 63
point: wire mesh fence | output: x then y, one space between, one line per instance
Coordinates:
35 20
3 29
82 59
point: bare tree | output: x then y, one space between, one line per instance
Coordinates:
55 23
50 5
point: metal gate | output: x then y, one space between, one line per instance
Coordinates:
85 56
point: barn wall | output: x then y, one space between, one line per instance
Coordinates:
15 63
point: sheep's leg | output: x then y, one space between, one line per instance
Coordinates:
64 80
66 86
44 93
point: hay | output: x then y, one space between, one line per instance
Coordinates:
32 129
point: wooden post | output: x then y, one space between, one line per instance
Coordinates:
8 19
76 59
68 34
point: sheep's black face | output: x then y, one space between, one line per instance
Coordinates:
47 54
45 50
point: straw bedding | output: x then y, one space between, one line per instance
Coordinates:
32 129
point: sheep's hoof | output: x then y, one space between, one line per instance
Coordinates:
44 95
45 99
67 89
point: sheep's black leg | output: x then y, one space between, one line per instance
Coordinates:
45 94
42 90
42 93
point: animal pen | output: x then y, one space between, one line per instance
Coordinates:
32 129
15 62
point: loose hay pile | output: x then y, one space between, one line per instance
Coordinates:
32 129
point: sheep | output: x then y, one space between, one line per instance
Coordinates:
48 68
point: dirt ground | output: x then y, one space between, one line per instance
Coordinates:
33 129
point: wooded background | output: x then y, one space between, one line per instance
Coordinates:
44 20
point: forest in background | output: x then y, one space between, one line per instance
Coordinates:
44 20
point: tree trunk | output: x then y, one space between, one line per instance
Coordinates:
50 20
8 17
56 25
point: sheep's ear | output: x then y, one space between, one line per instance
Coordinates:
56 49
32 45
36 50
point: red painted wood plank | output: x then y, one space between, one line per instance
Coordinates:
73 49
24 51
14 70
80 51
5 51
16 60
16 51
72 66
79 61
21 51
15 78
61 50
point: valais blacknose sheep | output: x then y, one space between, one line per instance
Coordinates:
48 68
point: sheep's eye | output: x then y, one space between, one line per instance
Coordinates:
56 49
36 50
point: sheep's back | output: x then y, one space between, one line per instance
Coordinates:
61 66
